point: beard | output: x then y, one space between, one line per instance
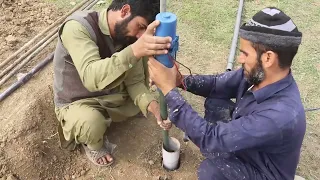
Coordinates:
121 31
256 75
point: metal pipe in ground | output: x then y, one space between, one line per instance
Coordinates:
235 37
60 20
163 104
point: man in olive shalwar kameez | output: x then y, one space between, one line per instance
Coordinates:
100 72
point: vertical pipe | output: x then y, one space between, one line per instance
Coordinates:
163 5
163 104
235 37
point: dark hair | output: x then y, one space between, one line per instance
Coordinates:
147 9
285 55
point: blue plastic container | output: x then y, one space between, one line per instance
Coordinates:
167 27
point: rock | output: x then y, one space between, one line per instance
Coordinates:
7 18
73 3
50 21
11 39
55 158
22 31
83 172
298 178
151 162
156 178
66 177
73 176
2 145
11 177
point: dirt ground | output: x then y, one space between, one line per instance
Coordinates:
29 146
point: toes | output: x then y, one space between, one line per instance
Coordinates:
109 158
105 161
100 161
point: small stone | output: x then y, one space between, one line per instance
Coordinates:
22 31
73 176
7 18
83 172
151 162
50 21
73 3
11 177
11 39
66 177
55 158
2 145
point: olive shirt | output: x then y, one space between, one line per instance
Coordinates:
110 73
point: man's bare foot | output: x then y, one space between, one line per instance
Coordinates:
105 160
99 157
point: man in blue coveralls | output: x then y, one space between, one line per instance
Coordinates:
259 136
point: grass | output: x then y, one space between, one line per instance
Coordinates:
206 28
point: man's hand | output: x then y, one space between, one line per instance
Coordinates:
154 108
164 78
149 45
179 77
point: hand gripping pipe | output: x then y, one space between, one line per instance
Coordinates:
167 27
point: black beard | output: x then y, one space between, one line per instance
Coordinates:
121 29
257 74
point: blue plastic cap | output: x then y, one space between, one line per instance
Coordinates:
168 24
167 27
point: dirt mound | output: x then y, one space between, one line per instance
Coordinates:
29 137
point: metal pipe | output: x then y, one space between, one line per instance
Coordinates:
163 104
25 61
235 37
60 20
26 77
91 5
11 66
37 68
163 5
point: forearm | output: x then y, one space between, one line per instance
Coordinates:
223 85
136 87
245 132
199 84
